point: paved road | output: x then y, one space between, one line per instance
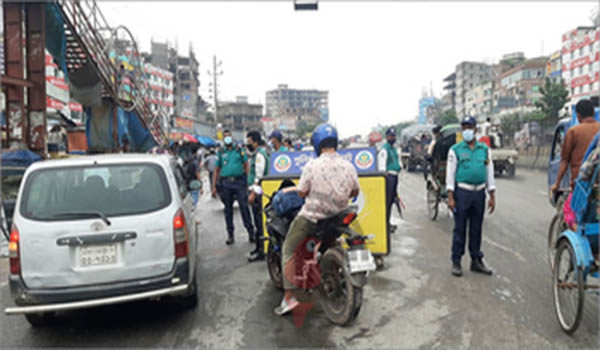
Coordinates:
414 302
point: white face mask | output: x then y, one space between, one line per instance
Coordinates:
468 135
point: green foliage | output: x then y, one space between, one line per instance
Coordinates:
449 117
554 97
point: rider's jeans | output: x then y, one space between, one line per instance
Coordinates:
470 207
297 233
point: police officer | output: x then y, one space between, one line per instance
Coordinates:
389 162
259 160
231 172
275 139
470 171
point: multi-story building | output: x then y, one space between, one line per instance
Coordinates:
241 116
185 77
518 89
307 105
554 67
581 63
479 101
159 84
449 98
469 75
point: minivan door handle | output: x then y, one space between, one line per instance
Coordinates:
74 241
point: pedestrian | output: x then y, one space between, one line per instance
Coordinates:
191 171
210 163
259 160
389 163
231 172
469 172
288 144
275 141
576 142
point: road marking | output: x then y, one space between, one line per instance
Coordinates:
506 249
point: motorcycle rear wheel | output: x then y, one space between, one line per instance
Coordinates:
341 301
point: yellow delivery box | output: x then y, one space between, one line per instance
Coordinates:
371 201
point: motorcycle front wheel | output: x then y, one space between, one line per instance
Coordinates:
340 300
274 266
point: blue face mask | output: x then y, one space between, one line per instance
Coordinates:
228 140
468 135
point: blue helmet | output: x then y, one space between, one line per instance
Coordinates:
323 133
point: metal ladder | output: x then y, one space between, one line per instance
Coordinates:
84 24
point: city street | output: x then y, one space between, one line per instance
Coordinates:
413 302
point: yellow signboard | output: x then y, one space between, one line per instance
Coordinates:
371 217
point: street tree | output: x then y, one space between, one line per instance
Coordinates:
554 97
448 117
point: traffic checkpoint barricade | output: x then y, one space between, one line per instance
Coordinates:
371 201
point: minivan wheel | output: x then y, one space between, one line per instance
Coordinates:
40 320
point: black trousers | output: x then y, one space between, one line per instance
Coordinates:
258 222
470 208
231 189
391 189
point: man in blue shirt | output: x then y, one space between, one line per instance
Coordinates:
276 142
469 172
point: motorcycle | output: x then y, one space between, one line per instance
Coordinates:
340 274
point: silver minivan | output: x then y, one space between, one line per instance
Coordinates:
100 230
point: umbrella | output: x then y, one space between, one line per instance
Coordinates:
206 141
189 138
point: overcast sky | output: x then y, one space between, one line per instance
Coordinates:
373 57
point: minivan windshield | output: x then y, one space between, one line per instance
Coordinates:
111 190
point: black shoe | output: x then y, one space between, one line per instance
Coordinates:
456 270
479 267
393 228
251 239
230 241
256 257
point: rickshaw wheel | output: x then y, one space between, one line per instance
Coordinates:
433 201
557 226
568 288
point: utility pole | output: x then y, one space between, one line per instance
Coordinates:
215 87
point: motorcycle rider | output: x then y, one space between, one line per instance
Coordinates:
327 183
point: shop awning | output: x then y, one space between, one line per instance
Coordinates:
206 141
189 138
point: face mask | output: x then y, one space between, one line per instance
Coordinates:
270 144
228 140
392 141
468 135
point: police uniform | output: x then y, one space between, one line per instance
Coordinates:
258 169
389 162
232 178
469 173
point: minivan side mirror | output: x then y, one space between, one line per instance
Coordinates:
195 185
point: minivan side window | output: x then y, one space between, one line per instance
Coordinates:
180 181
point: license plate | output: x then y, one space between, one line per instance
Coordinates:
98 255
361 260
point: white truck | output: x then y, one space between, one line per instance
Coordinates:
505 159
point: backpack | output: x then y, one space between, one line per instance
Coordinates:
286 203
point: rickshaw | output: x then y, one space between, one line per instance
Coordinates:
436 179
576 258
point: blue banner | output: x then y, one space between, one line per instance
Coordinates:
364 160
